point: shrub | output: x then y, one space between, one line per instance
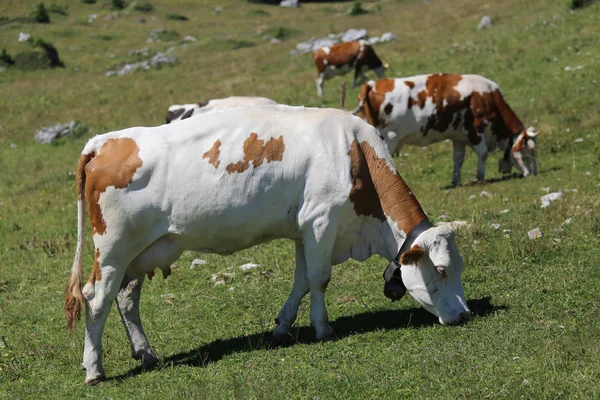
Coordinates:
41 14
282 32
51 53
143 6
259 12
357 9
56 9
177 17
164 35
6 59
580 3
118 4
88 1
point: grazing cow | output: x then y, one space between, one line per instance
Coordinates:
467 109
178 112
232 179
339 59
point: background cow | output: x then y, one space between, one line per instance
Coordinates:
178 112
226 181
467 109
341 58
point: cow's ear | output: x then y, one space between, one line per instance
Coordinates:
174 114
412 256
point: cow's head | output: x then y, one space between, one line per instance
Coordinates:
178 112
431 272
523 153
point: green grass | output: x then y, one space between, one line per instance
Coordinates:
536 333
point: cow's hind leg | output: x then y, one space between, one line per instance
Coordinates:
482 153
319 81
128 302
159 254
459 157
289 311
100 292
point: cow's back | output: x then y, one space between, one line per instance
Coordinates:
230 179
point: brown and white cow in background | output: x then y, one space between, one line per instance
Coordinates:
341 58
228 180
467 109
178 112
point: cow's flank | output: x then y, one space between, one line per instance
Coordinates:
213 154
256 152
114 165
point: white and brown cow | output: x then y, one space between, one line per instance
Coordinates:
341 58
467 109
178 112
231 179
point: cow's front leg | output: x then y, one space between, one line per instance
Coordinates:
99 297
128 302
459 157
289 311
319 81
482 152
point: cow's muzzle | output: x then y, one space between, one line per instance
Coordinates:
393 288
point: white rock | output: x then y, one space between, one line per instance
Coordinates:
189 39
484 23
578 140
535 234
92 18
217 10
496 226
505 211
289 3
546 199
23 37
388 37
275 40
13 145
506 230
248 267
220 283
197 262
354 34
567 221
473 196
485 194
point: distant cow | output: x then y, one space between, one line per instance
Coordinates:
467 109
341 58
229 180
178 112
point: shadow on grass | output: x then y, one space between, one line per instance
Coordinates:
344 327
508 177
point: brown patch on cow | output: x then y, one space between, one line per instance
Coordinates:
412 256
213 154
256 151
339 55
410 84
187 114
363 194
114 165
520 142
384 86
96 274
378 191
388 108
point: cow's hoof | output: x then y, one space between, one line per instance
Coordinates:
148 359
93 381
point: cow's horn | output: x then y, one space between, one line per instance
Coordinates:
386 65
531 132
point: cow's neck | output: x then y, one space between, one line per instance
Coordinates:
402 212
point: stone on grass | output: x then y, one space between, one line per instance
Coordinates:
484 23
289 3
249 266
158 60
546 199
189 39
354 34
197 262
23 37
535 234
49 134
485 194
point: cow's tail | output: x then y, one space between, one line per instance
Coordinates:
74 300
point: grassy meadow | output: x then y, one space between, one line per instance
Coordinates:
536 303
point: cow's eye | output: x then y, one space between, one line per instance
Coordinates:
441 270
